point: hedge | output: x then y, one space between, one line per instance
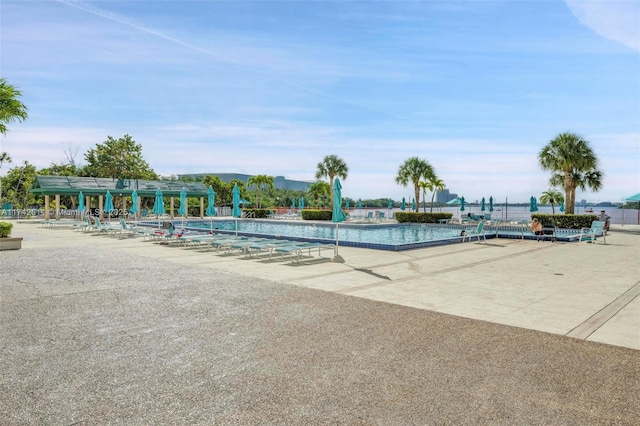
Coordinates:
414 217
568 221
317 214
5 229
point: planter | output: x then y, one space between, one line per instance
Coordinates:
10 243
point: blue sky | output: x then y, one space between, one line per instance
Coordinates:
477 88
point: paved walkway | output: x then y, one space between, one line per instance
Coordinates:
96 330
585 291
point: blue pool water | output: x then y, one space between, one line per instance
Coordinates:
377 236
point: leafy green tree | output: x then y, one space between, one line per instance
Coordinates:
412 171
4 158
573 164
332 166
319 191
260 182
221 188
11 108
118 159
18 182
553 197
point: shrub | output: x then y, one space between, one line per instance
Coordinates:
414 217
308 214
568 221
5 229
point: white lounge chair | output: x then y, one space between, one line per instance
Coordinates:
592 234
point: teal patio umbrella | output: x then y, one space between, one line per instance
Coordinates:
533 204
236 205
561 206
134 203
301 203
462 202
403 205
359 204
482 205
337 215
413 204
390 204
108 204
183 204
293 204
158 205
490 204
81 206
346 203
211 208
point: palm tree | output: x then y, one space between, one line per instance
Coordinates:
553 197
319 190
434 184
11 109
260 182
4 158
573 165
412 170
332 166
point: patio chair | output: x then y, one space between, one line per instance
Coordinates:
477 231
590 235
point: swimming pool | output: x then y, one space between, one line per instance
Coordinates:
393 236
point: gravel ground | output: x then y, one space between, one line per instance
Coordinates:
99 337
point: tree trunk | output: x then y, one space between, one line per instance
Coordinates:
416 190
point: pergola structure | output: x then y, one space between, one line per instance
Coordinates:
98 187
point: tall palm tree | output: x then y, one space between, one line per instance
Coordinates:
11 109
332 166
319 190
573 165
4 158
553 197
412 170
260 182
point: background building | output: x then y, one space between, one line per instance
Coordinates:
444 196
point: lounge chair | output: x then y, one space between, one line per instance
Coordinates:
477 231
591 234
295 252
267 246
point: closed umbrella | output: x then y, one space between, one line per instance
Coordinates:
108 205
490 204
482 205
403 205
561 206
533 205
81 206
158 205
211 208
183 204
337 215
236 205
134 203
359 204
390 204
293 204
346 204
301 203
462 202
413 204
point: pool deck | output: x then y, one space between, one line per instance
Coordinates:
585 291
100 330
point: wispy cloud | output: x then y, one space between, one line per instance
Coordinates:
616 20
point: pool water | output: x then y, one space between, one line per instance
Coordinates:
377 236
